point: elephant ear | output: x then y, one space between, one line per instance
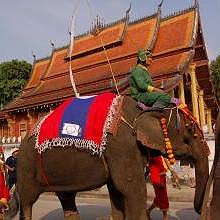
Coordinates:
149 133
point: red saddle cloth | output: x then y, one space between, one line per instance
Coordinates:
80 121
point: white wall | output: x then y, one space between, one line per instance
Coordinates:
211 144
8 149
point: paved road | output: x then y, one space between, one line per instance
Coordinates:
48 208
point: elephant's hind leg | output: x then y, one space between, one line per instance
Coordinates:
68 203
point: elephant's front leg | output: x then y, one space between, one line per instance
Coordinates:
135 200
128 178
117 202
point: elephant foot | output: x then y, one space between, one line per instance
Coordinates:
71 215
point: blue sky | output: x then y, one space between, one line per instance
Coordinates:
29 25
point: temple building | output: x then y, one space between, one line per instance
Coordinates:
178 48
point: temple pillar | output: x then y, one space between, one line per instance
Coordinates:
202 108
11 126
181 92
209 121
31 121
194 92
23 125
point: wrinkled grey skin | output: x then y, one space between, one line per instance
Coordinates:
71 170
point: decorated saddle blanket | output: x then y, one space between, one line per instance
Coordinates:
82 122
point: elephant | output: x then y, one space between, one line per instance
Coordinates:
68 170
215 203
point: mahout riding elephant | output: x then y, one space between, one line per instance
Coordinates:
69 170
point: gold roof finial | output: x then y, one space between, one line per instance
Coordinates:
34 56
97 25
52 45
196 3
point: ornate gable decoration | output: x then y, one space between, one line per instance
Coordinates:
99 36
97 25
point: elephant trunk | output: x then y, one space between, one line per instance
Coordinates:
202 174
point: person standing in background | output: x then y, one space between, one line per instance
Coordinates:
4 191
11 166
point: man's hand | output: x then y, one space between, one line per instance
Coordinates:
2 162
4 203
10 168
157 90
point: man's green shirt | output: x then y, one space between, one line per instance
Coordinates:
140 81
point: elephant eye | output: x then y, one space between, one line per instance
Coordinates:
188 135
186 140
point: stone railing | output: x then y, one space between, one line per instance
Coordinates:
10 140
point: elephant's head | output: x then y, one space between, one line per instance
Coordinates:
198 154
188 143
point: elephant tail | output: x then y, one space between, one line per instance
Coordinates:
13 205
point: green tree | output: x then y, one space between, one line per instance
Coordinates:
13 76
215 68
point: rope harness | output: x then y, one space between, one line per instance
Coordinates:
164 125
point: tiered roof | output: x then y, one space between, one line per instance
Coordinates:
175 40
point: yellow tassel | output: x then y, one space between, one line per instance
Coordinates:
4 202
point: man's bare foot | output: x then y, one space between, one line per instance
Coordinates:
165 216
151 208
70 213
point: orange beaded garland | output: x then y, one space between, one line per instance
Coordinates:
168 146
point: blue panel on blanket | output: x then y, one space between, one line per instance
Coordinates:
75 117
